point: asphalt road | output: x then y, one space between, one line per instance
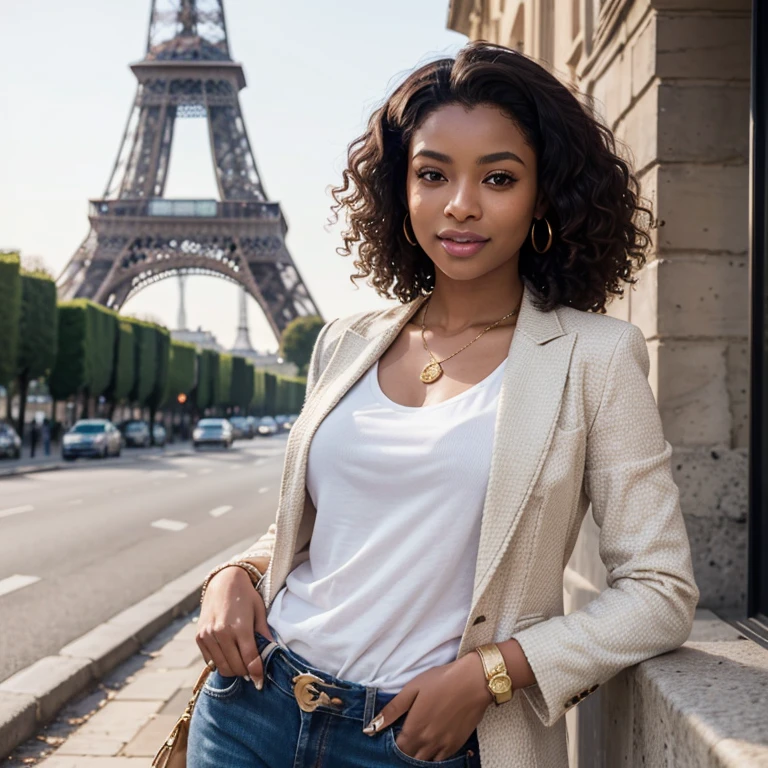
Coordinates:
79 545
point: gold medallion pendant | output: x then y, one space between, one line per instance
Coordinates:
431 372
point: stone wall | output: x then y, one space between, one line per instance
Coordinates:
671 79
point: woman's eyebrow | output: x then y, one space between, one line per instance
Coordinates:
492 158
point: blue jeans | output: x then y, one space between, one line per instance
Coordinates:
235 726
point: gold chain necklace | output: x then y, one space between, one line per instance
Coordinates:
432 371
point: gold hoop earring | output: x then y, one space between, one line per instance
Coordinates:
405 231
533 239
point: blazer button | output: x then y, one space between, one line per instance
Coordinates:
478 620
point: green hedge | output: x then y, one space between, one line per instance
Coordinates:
10 312
290 394
182 369
224 381
144 360
38 336
241 387
162 361
38 326
124 369
102 330
86 349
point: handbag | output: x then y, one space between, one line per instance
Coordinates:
173 752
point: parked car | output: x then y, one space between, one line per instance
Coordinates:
10 442
242 427
213 432
268 426
92 437
135 433
159 434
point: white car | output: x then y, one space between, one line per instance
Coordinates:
267 426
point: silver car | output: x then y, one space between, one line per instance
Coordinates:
97 438
212 432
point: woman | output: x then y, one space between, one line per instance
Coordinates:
447 452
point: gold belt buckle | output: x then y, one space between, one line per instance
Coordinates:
308 696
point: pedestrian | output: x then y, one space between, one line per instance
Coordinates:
408 602
46 430
32 438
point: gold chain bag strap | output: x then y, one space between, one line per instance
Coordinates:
173 752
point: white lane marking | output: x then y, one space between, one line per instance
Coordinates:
16 510
258 462
169 525
236 466
167 473
17 581
219 511
263 490
75 501
205 471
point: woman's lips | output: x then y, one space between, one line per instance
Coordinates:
454 248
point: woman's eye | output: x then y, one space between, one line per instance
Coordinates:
501 179
430 175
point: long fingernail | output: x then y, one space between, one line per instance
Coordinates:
246 677
259 683
374 725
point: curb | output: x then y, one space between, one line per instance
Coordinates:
32 469
32 696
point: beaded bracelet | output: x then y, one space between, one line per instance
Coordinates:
253 572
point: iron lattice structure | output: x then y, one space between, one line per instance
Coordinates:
138 236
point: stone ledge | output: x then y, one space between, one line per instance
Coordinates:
703 704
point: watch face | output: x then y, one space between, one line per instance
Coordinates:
500 684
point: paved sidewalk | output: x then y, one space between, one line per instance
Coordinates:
125 720
42 463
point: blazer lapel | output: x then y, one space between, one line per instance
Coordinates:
529 404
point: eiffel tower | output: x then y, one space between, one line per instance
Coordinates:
138 236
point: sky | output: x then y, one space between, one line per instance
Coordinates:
315 71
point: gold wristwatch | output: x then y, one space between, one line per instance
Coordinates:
499 682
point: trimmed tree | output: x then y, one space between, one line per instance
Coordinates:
162 358
38 334
241 389
86 349
224 380
123 370
144 361
298 340
10 312
182 369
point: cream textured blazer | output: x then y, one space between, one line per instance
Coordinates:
576 423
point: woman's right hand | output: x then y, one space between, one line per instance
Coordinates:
232 611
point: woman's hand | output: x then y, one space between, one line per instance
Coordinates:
232 611
444 706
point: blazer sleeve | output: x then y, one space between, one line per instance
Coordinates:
649 605
260 552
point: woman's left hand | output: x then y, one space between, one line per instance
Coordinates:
444 706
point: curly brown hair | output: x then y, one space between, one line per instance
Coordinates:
593 195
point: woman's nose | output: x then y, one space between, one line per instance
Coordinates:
463 203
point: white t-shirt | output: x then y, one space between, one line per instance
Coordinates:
399 493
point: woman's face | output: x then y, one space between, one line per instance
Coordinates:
471 175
